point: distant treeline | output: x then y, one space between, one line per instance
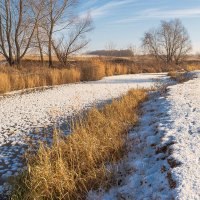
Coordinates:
117 53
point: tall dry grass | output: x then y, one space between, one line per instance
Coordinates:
93 69
83 69
4 83
112 69
96 69
14 79
192 67
75 164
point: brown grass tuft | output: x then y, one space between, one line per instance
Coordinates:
75 164
93 70
172 74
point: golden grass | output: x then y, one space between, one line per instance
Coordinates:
93 69
75 164
121 69
192 67
38 58
4 83
13 79
30 75
172 74
115 69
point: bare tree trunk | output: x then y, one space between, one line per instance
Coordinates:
50 50
8 31
18 53
41 54
40 46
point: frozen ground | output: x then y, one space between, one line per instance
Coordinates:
185 115
164 156
24 117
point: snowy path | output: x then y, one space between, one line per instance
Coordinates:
185 114
21 114
164 158
142 175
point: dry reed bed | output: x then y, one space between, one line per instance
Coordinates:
77 163
12 79
193 67
84 70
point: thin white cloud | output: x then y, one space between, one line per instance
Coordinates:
108 8
159 13
88 4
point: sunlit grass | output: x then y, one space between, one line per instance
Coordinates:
77 163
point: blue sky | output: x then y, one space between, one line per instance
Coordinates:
125 21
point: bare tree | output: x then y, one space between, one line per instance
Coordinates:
40 41
75 41
170 42
197 54
18 19
58 16
110 47
133 51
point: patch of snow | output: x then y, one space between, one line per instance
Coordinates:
25 117
185 115
164 157
144 171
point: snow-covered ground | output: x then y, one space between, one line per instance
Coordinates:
185 115
164 157
24 116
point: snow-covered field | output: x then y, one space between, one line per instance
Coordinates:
185 115
23 114
164 155
164 158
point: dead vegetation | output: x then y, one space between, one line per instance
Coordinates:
77 163
86 69
180 77
14 79
171 181
32 74
193 67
